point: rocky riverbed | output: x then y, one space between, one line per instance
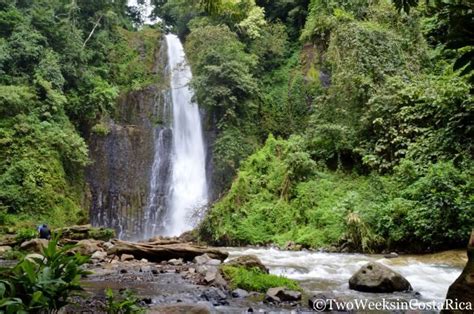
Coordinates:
172 286
178 276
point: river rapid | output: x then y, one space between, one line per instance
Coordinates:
430 275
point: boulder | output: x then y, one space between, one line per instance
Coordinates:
107 245
201 259
463 288
375 277
87 247
206 260
281 294
239 293
214 262
391 255
176 262
4 249
215 296
248 262
214 277
126 257
98 255
34 245
211 275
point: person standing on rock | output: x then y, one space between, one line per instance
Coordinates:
44 232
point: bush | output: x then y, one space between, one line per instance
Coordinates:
42 284
436 209
25 234
280 196
125 303
101 129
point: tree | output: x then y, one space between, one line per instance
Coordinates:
222 79
456 26
405 5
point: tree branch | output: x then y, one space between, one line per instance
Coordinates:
92 31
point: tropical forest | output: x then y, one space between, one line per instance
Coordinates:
232 156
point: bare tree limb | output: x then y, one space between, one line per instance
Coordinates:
92 31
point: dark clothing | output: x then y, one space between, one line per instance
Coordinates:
44 232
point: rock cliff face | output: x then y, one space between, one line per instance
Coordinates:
119 176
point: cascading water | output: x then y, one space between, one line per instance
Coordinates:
188 189
153 222
178 186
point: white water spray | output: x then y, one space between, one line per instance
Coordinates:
188 186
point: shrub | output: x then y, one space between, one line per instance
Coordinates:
42 284
101 129
25 234
125 303
440 212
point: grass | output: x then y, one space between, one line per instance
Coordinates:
255 280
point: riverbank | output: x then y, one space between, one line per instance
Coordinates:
180 285
192 281
167 287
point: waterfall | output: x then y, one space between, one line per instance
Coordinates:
156 208
148 177
178 185
188 189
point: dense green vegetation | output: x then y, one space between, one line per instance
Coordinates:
336 122
123 302
255 280
44 284
62 66
365 110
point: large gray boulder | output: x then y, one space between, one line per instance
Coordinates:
375 277
462 289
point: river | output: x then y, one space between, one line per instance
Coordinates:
430 275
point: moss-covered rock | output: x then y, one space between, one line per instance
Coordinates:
255 280
248 262
86 232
